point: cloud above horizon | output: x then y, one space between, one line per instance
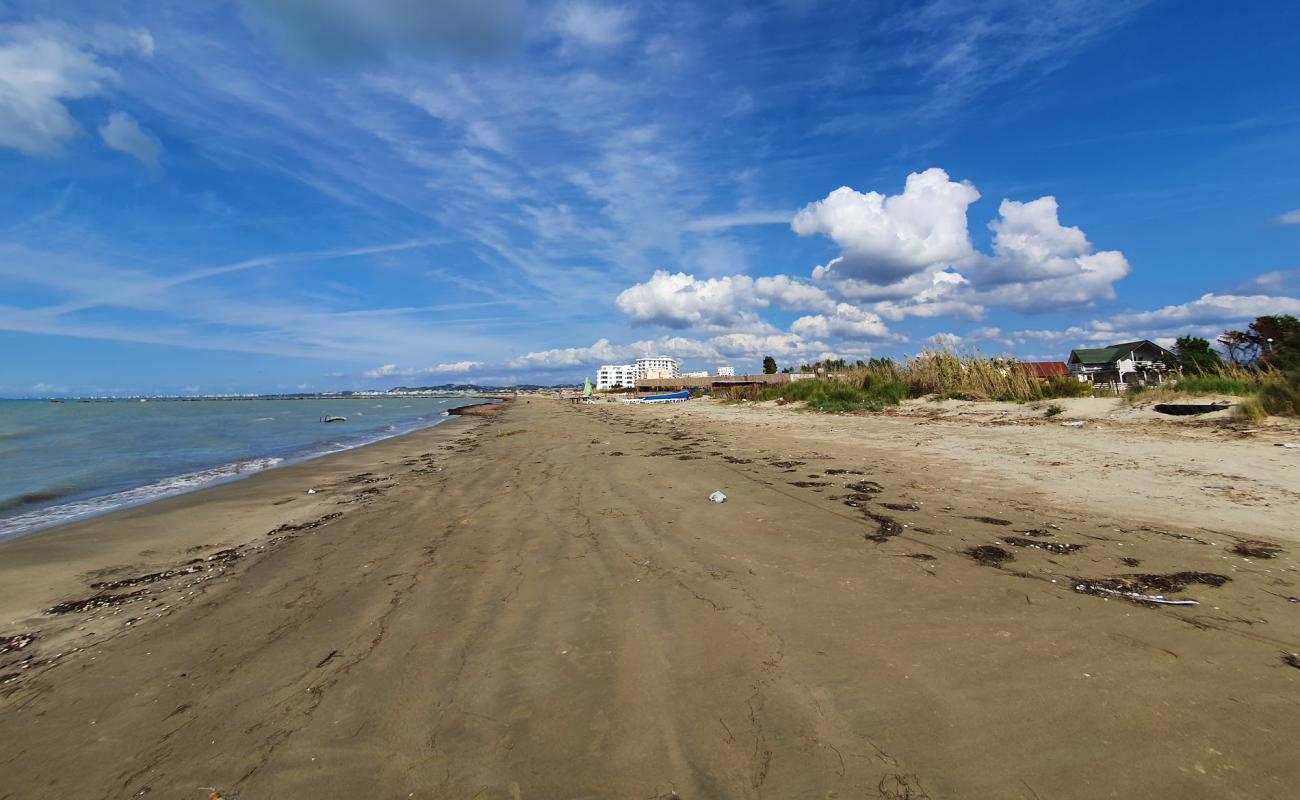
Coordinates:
347 191
121 132
43 67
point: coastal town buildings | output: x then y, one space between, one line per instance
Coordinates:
651 368
616 376
657 367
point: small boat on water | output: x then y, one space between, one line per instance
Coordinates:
1188 409
333 419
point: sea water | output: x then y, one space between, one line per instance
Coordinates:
65 461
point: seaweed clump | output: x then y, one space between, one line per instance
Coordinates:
989 555
1256 549
1060 548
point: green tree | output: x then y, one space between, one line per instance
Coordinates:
769 365
1196 356
1274 338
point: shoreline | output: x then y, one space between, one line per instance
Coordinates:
542 601
143 534
96 505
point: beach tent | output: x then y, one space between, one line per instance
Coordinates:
586 387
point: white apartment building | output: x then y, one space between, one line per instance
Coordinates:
704 373
657 367
612 376
726 372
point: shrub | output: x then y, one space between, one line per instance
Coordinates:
1061 386
1053 410
873 394
1250 409
1218 384
1282 398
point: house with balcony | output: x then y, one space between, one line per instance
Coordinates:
1122 366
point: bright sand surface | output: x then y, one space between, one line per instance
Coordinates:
543 603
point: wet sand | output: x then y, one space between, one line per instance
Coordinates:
543 603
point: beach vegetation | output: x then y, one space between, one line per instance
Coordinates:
871 393
1282 397
836 385
1250 409
1054 410
1196 356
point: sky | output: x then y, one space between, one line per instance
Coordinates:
310 195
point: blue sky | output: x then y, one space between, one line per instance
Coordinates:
275 195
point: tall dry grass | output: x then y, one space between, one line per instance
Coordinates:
940 373
946 374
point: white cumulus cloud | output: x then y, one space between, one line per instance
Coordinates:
121 132
846 322
1037 261
914 251
679 300
1211 309
43 67
886 238
394 371
458 367
1289 218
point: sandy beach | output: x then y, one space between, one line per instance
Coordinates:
540 601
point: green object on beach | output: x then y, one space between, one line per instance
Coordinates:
586 387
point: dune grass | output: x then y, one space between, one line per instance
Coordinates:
871 393
941 374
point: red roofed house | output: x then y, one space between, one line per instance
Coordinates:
1043 370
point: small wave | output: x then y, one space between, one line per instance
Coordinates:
264 419
32 498
408 406
78 509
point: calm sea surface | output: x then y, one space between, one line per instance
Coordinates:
65 461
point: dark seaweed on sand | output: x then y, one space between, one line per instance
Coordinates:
1061 548
103 600
886 527
868 487
1148 583
989 555
1256 549
10 644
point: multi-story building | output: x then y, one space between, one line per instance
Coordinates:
704 373
615 376
657 367
726 372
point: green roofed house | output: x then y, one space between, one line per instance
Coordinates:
1120 366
